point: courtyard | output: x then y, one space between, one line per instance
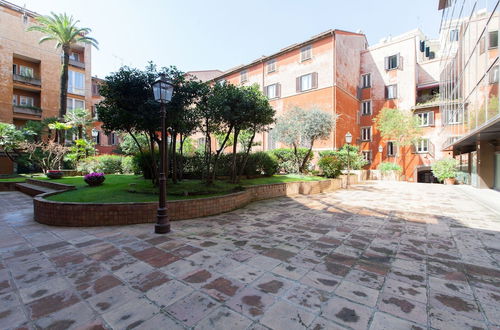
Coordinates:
380 255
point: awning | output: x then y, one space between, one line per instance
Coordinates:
487 132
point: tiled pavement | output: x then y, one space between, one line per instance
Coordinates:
379 256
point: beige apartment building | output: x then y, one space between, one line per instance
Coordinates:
30 73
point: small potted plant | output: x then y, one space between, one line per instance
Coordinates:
446 170
54 174
94 179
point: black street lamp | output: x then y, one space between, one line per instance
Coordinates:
348 141
162 90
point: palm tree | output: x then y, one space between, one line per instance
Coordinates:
78 118
62 29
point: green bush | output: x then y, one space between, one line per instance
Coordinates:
287 162
128 165
142 161
260 163
108 164
387 166
331 166
445 168
356 161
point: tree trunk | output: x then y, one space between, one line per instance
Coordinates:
295 152
182 139
306 158
154 165
207 157
80 132
217 155
64 82
235 147
247 153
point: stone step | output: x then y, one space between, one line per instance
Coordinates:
32 189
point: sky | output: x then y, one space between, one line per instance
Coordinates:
221 34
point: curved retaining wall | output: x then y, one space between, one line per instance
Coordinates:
94 214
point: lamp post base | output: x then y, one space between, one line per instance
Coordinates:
162 228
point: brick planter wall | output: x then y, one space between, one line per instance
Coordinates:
8 186
93 214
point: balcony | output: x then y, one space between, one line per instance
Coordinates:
427 101
27 110
76 63
32 80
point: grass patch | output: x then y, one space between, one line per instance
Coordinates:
133 188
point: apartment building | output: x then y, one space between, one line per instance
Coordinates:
469 88
30 73
402 72
321 72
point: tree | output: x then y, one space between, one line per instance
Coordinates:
48 155
78 118
299 127
12 140
399 126
63 29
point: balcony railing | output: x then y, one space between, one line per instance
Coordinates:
32 80
78 64
27 110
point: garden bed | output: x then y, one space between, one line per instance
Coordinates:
104 214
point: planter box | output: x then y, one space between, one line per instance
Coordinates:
391 176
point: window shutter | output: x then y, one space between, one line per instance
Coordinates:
386 63
278 90
431 118
395 90
265 91
398 60
386 92
413 148
314 80
298 88
110 140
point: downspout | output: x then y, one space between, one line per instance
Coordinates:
264 142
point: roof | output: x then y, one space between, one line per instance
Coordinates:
205 75
19 9
265 58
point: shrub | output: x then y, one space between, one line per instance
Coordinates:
387 166
259 163
128 165
107 164
54 174
142 161
356 161
287 162
445 168
331 166
94 179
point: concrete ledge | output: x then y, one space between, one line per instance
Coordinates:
108 214
51 184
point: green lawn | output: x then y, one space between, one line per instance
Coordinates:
116 188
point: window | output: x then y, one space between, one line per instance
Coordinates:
454 35
422 146
367 156
271 66
75 104
426 118
392 62
14 68
26 71
272 91
221 82
493 39
97 137
366 133
26 101
95 89
307 82
391 92
366 81
305 53
454 116
74 56
76 83
494 75
366 108
14 99
243 76
112 139
391 149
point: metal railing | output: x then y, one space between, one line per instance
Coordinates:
27 110
32 80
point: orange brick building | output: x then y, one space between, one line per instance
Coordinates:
30 73
337 72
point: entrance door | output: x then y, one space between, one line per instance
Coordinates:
497 171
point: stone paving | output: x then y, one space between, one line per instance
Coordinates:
379 256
